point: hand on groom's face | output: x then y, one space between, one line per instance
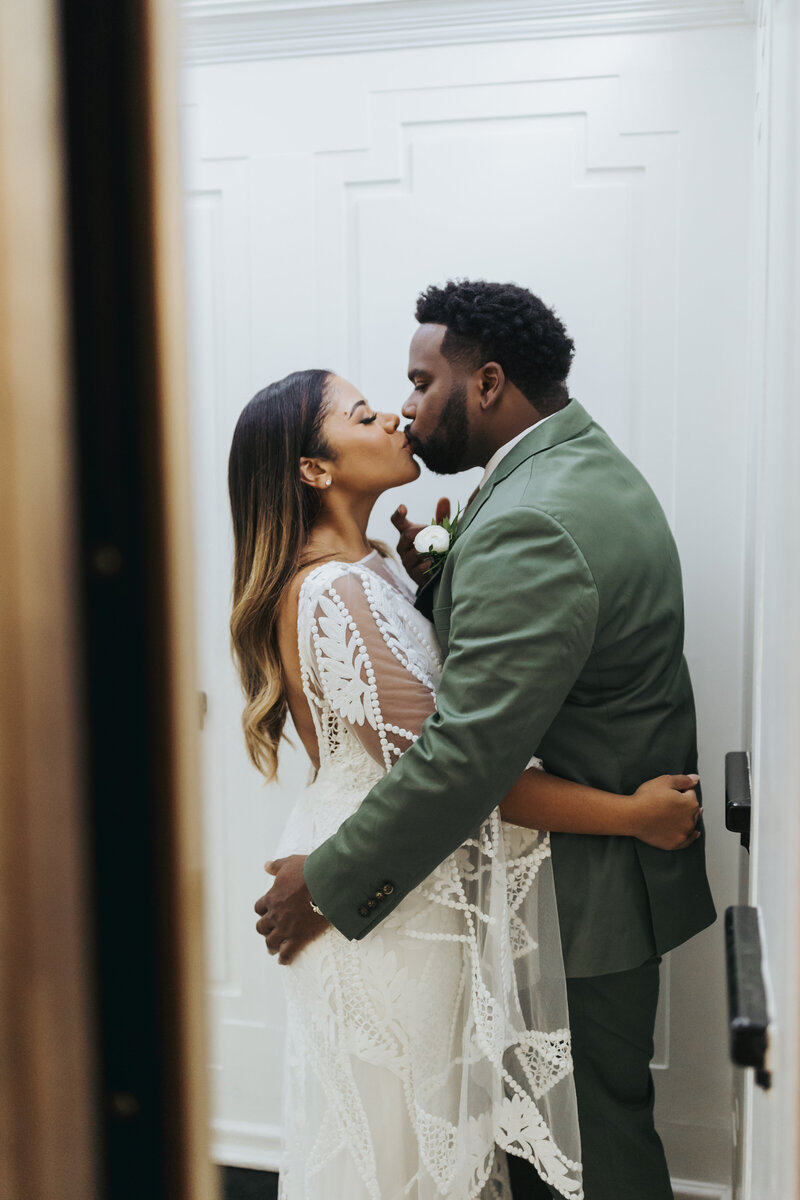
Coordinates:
415 564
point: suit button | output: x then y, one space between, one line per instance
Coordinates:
364 911
379 895
388 888
370 904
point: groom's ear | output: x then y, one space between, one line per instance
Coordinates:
491 381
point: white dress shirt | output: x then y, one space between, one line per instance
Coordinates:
500 454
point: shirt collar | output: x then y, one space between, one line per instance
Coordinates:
500 454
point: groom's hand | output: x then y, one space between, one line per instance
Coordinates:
415 563
287 921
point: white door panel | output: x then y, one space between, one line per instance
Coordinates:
612 176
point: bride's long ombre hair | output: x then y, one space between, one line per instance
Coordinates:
273 512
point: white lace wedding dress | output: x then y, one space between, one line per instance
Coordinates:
420 1053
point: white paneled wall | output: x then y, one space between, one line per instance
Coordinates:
611 175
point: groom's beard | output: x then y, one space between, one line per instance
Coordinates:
443 452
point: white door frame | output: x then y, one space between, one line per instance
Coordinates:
769 1166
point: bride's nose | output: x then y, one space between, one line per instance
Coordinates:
390 422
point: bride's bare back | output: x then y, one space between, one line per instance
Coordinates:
290 663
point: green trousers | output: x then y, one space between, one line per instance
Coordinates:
611 1019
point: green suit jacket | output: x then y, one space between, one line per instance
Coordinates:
559 610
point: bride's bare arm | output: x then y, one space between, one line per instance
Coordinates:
662 812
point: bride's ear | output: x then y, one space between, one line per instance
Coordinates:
314 473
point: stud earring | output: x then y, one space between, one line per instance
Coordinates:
328 482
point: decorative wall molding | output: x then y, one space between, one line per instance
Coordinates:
411 130
685 1189
258 1147
236 30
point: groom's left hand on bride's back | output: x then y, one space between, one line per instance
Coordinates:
287 922
416 564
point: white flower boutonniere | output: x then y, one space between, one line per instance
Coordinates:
436 540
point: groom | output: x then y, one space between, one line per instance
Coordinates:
559 611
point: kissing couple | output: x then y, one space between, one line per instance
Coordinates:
475 889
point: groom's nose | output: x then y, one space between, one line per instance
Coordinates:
409 409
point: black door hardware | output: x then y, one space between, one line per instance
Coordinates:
747 998
737 795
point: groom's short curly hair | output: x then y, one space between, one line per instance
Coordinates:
507 324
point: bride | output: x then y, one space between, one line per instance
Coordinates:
420 1056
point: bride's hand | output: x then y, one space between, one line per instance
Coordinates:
666 812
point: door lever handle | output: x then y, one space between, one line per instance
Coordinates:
737 795
747 997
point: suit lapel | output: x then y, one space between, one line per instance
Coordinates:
562 426
426 596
